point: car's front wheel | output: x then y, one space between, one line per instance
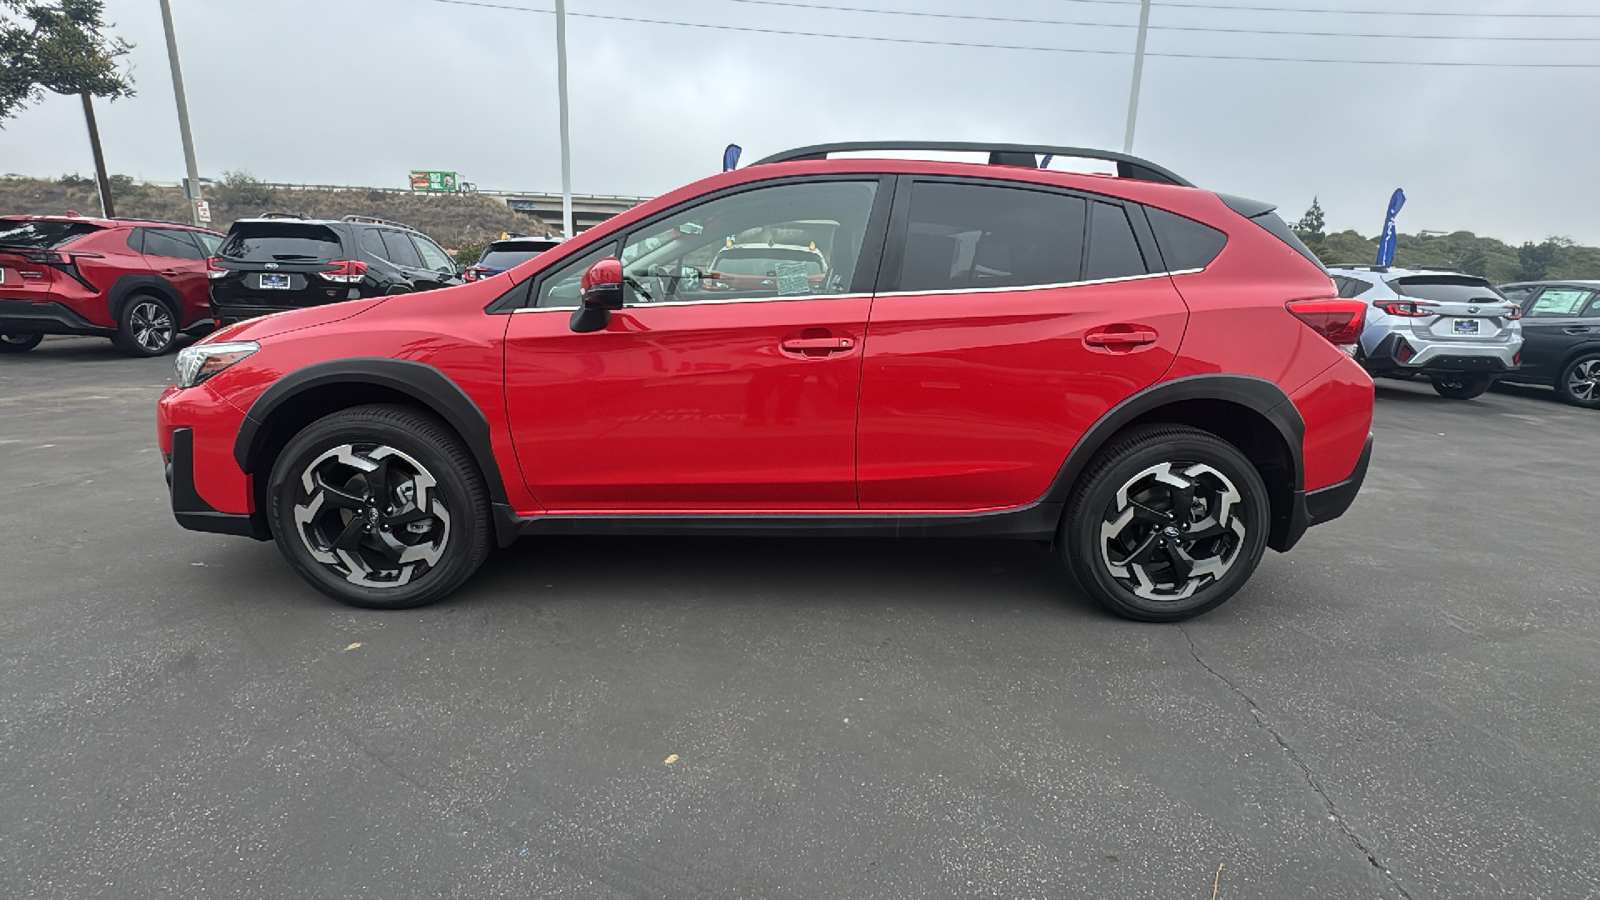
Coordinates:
147 326
11 342
1579 383
1462 387
381 507
1165 524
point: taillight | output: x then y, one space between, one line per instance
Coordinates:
1515 313
213 269
1339 321
345 271
473 273
1410 309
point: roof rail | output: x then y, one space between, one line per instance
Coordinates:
1024 155
374 220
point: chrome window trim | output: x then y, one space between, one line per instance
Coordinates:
1038 287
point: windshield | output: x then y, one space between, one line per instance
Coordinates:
280 242
764 261
37 235
1447 288
506 256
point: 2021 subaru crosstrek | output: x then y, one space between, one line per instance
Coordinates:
1152 377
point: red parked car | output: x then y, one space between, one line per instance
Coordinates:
1151 377
137 282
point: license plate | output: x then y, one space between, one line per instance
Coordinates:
1465 326
277 282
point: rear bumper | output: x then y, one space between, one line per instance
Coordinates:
1324 504
45 317
1442 357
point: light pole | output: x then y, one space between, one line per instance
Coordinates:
566 143
183 115
1138 73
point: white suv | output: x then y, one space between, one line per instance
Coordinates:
1456 330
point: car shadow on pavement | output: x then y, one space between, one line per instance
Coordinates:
82 349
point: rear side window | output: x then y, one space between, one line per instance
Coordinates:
372 242
1185 244
965 236
169 243
42 235
398 250
1113 250
1446 288
280 242
1351 287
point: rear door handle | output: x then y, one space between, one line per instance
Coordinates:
171 273
1577 329
832 344
1133 338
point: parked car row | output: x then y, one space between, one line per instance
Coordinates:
142 283
1463 334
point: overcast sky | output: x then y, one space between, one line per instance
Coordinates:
361 91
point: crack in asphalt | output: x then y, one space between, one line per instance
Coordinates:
1311 780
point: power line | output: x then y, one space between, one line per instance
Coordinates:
1350 12
1213 30
984 46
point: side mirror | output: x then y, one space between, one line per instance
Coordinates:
602 292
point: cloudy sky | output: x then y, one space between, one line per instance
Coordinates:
361 91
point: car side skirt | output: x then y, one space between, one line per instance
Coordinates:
1037 521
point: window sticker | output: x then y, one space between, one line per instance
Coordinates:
1558 303
793 278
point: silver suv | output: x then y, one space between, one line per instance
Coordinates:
1456 330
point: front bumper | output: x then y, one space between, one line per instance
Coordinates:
195 429
191 510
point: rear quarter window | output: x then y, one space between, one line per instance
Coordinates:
1184 243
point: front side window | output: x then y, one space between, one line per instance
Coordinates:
433 257
1560 302
968 236
563 287
807 235
208 242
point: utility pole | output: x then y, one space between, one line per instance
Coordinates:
1138 73
566 142
107 205
193 190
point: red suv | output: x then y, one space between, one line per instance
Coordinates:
137 282
1153 378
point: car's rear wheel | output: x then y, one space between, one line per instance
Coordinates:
1165 524
146 327
12 342
1462 387
380 506
1579 383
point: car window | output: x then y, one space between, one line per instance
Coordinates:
1352 287
1560 302
280 241
964 236
1593 308
1446 288
372 242
433 257
1518 295
42 235
671 260
399 251
1113 251
1185 244
562 288
171 243
209 242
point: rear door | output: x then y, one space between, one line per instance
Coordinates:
1010 319
175 256
1556 319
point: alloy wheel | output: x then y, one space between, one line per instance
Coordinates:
1172 529
1583 383
151 324
372 514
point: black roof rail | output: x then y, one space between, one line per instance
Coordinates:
374 220
1024 155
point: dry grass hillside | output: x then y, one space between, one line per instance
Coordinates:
455 221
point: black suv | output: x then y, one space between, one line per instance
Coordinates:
278 262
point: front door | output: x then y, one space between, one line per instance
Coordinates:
706 392
1555 321
1001 336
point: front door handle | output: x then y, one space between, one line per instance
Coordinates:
1121 340
829 344
1577 329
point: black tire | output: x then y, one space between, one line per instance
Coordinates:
1153 537
1462 387
16 342
433 535
1579 383
147 326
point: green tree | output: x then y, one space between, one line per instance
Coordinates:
61 46
1312 223
240 188
1474 262
1534 259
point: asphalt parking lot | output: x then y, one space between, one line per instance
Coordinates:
1408 705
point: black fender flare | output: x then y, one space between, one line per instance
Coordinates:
1255 394
128 285
424 384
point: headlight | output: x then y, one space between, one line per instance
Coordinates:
201 361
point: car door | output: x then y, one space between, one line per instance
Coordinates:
698 399
398 250
1003 330
1555 320
175 256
